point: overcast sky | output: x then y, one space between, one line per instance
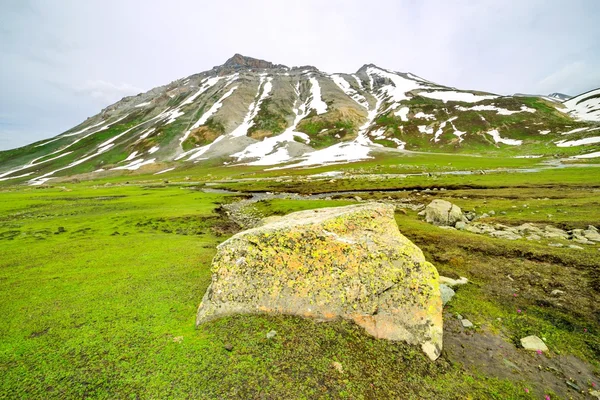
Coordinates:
62 61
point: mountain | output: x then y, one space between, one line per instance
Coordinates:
586 106
252 111
559 96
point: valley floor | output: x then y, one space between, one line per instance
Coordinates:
100 281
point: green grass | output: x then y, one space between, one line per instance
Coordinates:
100 286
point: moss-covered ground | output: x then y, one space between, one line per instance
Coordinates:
100 281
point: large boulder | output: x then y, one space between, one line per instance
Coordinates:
350 262
443 213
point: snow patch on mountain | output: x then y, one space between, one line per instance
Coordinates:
316 103
350 92
403 113
135 165
211 111
400 85
499 110
425 129
451 95
271 150
498 139
264 88
586 106
422 115
595 154
579 142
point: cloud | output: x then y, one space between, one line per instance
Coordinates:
573 78
106 92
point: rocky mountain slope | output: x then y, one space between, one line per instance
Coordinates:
255 112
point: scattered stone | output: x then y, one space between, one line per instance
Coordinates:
460 225
484 215
492 212
357 198
338 367
555 245
595 393
592 228
533 343
459 316
534 237
178 339
453 282
271 334
591 234
447 293
443 213
505 235
345 243
466 323
555 233
573 386
574 246
557 292
228 347
470 216
503 212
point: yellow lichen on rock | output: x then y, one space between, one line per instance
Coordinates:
350 262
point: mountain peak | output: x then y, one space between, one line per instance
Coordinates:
240 61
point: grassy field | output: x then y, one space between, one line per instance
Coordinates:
100 282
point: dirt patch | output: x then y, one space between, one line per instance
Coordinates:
495 355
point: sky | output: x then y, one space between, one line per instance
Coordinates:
62 61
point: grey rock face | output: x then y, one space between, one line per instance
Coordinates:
447 293
350 262
443 213
533 343
466 323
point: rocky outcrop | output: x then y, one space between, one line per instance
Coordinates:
350 262
443 213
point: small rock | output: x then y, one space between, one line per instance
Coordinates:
534 237
466 323
557 292
595 393
503 212
573 386
271 334
338 367
453 282
178 339
555 245
533 343
228 346
574 246
357 198
401 211
459 316
505 235
447 293
460 225
484 215
492 212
